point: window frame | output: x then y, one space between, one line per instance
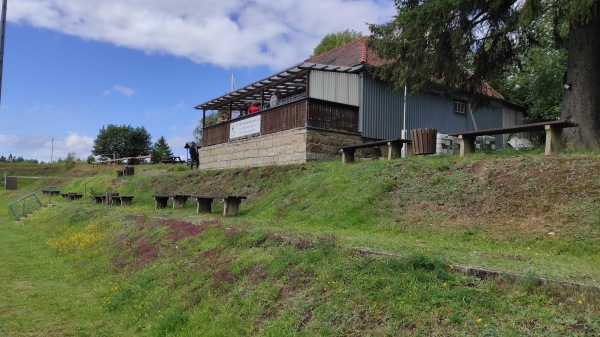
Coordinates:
456 104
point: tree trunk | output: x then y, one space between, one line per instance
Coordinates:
581 102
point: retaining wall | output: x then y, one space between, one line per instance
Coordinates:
282 148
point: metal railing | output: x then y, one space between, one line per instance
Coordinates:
96 177
29 203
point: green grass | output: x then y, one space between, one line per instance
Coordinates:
287 265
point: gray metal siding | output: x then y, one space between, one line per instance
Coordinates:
381 112
334 87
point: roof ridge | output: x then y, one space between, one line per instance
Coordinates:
343 46
363 54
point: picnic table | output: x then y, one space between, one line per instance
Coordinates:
173 160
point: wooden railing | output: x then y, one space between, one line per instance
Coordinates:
302 113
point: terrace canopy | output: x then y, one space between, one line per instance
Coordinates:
289 83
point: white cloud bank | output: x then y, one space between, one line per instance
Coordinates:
226 33
44 148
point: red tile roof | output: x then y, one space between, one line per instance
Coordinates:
351 54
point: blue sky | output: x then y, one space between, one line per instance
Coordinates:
74 66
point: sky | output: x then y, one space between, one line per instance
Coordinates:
72 67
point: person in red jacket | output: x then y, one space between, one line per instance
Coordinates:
253 108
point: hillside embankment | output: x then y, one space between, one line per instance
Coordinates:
299 259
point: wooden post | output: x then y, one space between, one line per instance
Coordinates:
553 135
204 205
467 144
232 206
348 156
394 150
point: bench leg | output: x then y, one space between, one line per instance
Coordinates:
178 203
231 206
347 156
125 202
204 205
394 150
553 135
160 203
467 145
408 150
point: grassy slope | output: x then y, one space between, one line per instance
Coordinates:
198 275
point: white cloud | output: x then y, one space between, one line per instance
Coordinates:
124 90
227 33
44 148
80 144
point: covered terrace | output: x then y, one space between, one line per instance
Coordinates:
297 106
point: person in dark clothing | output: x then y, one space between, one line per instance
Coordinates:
194 156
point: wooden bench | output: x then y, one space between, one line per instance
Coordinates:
173 160
127 171
105 198
553 130
121 200
72 196
160 201
394 148
231 203
50 192
179 200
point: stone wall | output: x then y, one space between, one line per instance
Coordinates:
282 148
325 145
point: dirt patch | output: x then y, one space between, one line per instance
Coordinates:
524 196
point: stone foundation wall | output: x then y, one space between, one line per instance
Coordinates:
325 145
282 148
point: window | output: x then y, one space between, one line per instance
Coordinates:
460 107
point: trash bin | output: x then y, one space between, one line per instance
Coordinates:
423 141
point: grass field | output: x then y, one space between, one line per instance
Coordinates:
323 249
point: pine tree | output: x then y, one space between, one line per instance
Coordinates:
161 151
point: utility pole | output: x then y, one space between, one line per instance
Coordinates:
2 44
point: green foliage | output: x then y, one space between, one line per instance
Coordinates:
160 151
70 160
211 119
433 39
122 141
438 39
90 159
334 40
537 82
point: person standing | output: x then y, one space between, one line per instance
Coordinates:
194 156
253 108
273 101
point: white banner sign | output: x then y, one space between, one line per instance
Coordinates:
244 127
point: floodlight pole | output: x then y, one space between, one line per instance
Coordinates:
2 43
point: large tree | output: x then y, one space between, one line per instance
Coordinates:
461 43
334 40
536 82
122 141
